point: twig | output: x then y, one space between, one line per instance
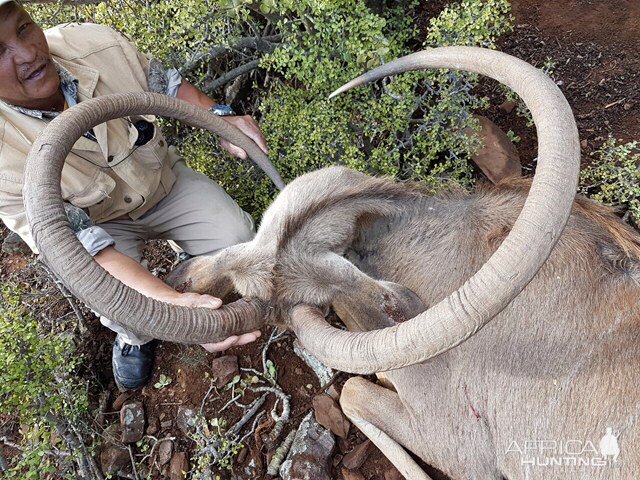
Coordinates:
68 296
228 404
283 418
281 453
155 444
275 335
232 74
331 382
204 400
253 426
262 44
614 103
133 463
86 464
255 406
15 446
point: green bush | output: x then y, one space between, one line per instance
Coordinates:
412 126
37 385
614 177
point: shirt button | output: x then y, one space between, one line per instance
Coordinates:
127 199
110 158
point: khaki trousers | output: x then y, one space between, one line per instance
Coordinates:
197 215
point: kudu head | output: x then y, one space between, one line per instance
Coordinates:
295 262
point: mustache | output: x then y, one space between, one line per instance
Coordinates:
26 71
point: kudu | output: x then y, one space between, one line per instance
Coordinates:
526 396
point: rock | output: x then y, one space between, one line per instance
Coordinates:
356 457
165 450
132 422
343 445
153 426
507 107
120 399
329 415
224 369
242 456
584 144
103 400
14 245
113 459
112 433
352 474
179 464
627 106
392 473
310 454
332 391
166 424
187 419
499 158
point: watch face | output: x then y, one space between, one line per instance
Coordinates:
222 110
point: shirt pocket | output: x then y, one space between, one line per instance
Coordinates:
86 189
153 153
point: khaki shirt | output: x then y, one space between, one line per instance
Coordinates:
110 178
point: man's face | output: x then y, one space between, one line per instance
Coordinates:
28 77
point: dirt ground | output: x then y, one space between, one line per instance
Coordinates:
594 44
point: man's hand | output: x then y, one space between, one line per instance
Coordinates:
196 300
247 125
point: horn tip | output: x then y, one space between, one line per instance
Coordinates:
336 92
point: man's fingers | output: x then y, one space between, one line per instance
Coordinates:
232 341
210 301
220 346
233 150
260 141
248 337
250 128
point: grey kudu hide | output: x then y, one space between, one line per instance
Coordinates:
548 389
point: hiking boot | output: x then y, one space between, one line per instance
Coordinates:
132 364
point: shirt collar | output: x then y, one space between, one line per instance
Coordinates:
69 87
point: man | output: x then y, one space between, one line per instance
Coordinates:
122 183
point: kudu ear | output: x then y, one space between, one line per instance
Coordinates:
332 207
199 275
375 304
245 268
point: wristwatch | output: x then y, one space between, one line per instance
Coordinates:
222 110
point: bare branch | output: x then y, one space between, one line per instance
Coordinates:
232 74
260 44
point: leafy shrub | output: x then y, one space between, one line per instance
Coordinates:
37 385
614 177
411 126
